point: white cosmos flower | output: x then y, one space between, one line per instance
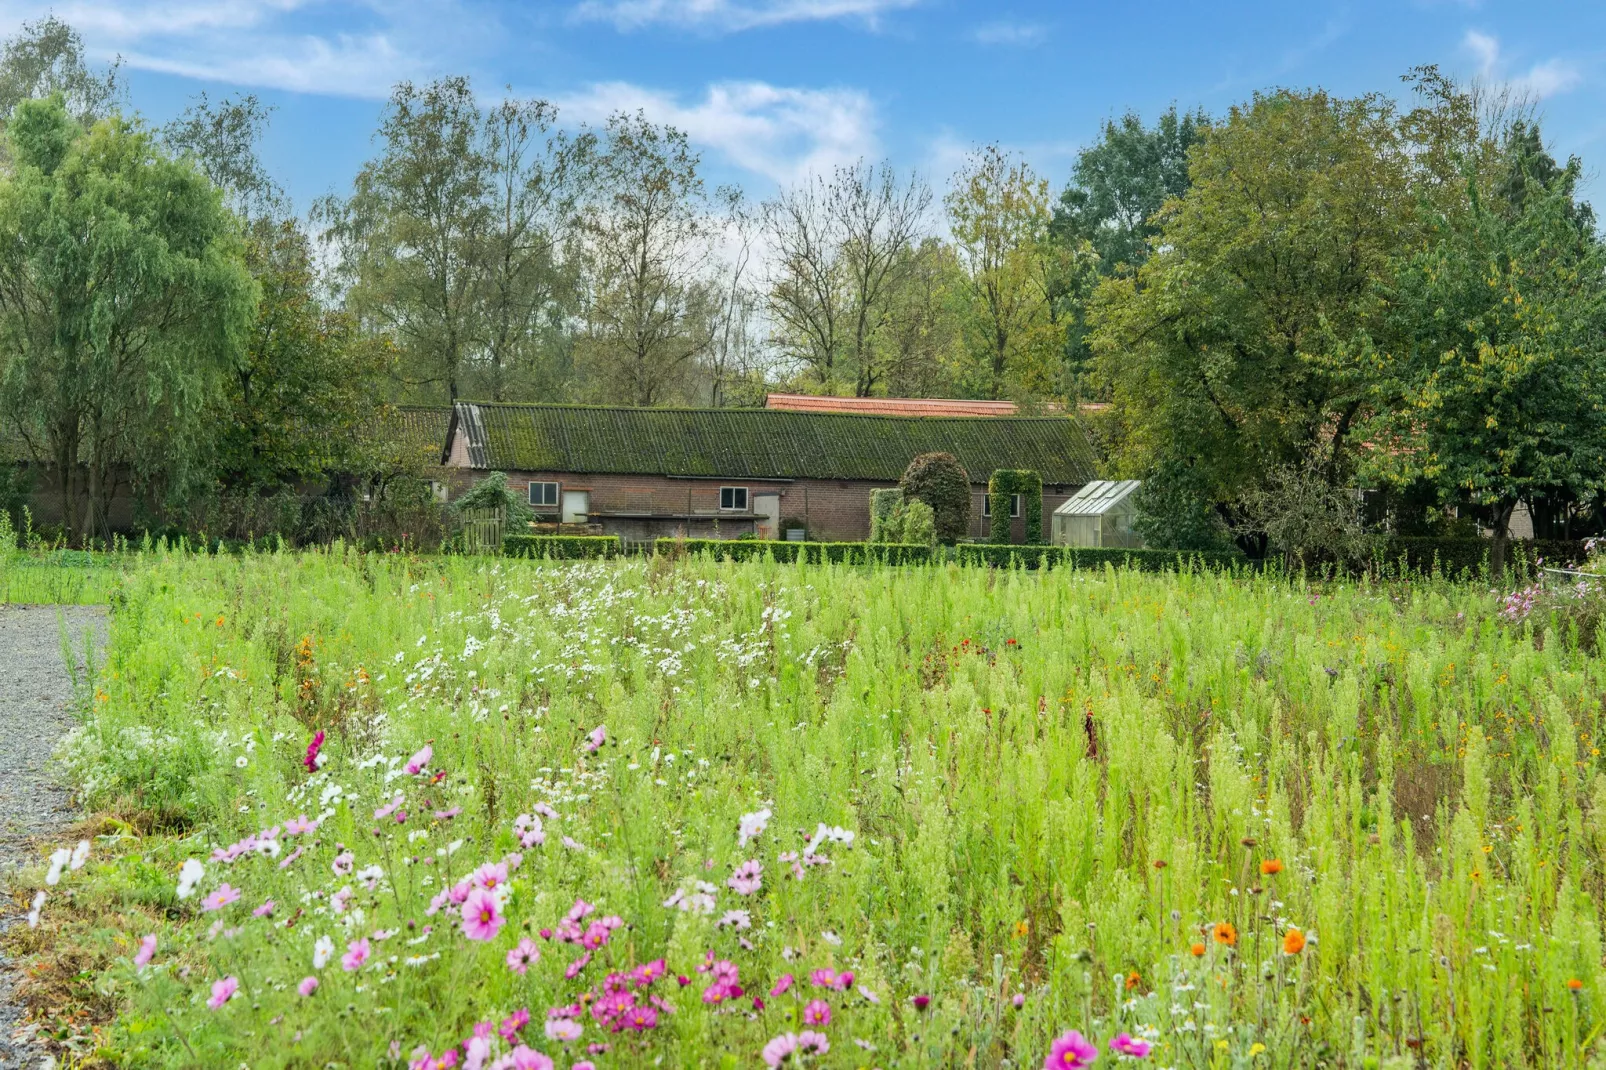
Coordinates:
322 952
189 875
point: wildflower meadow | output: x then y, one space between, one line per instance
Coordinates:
378 810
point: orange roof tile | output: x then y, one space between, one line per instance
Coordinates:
890 406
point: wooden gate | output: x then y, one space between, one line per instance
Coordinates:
483 530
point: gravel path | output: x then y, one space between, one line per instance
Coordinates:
35 692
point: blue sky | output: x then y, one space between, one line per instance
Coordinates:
770 89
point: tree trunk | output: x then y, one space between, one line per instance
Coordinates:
1502 530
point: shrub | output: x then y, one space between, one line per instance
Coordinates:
919 524
886 505
1174 509
1095 557
1457 557
1005 483
939 480
562 547
492 492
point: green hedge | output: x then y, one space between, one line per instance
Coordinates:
1455 556
562 547
1091 557
895 553
1005 483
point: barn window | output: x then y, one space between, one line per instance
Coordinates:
544 495
987 505
733 499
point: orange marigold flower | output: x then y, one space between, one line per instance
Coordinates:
1197 949
1575 985
1270 867
1225 933
1293 942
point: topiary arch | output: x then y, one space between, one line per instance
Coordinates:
1005 483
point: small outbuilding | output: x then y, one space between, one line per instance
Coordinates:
1099 514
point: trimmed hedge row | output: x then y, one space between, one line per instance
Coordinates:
892 553
562 547
1454 556
1091 557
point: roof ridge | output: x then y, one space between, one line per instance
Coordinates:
767 412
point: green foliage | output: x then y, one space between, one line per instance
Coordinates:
1094 557
1175 510
1304 517
1120 183
919 524
123 304
492 492
939 480
1460 557
562 547
848 553
1001 487
886 507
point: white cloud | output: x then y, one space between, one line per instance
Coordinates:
1008 32
731 16
779 132
267 43
1544 79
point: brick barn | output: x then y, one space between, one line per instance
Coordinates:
724 473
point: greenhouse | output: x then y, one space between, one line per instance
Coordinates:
1100 514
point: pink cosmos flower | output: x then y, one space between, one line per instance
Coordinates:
1070 1051
779 1049
524 1057
520 957
747 879
147 950
311 760
343 863
340 899
597 737
291 857
297 826
220 898
828 978
584 1064
448 813
223 991
308 985
810 1043
489 876
263 911
781 986
1127 1044
423 1060
563 1030
419 762
357 953
572 970
482 919
512 1024
648 972
818 1012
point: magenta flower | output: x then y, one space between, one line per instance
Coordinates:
481 917
489 876
147 950
1070 1051
520 957
1127 1044
781 985
648 972
512 1024
779 1049
810 1043
263 911
297 826
572 970
357 953
223 991
220 898
827 978
419 762
527 1058
308 985
818 1012
311 760
597 737
1018 1000
747 879
921 1002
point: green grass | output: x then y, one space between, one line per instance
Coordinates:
1060 783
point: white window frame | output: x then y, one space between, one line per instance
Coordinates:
557 495
987 506
747 500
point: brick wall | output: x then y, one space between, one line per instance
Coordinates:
836 510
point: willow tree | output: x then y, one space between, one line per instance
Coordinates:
123 301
